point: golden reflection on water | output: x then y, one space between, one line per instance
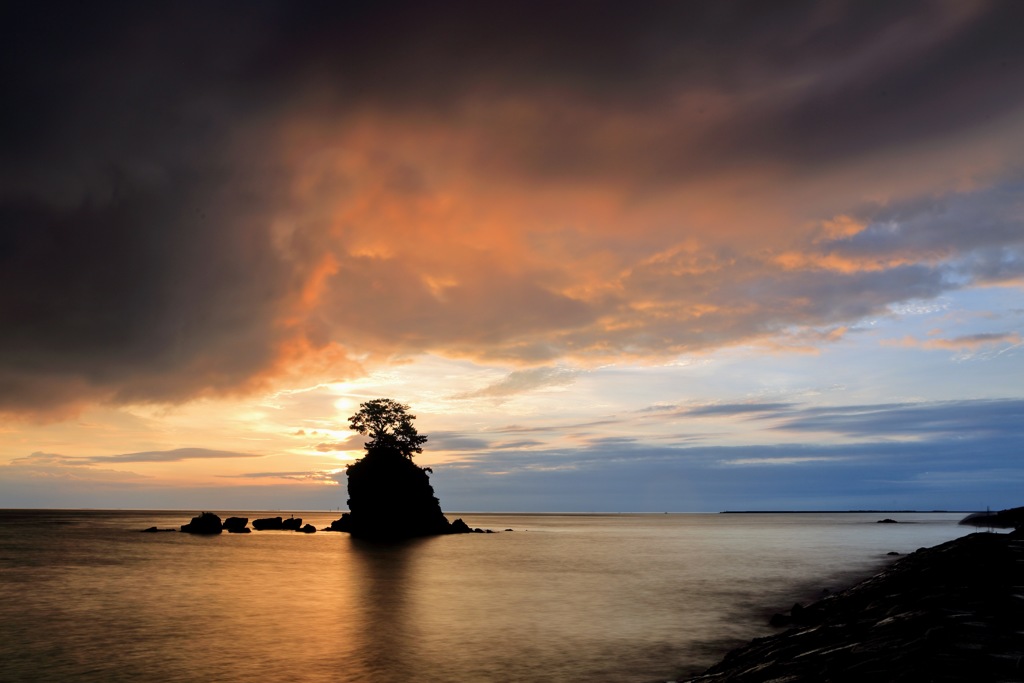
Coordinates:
386 642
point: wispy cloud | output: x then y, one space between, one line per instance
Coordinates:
970 342
329 477
782 460
173 455
522 381
454 441
732 409
930 420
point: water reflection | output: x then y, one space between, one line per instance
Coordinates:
387 634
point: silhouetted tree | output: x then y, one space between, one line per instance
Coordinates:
389 426
390 496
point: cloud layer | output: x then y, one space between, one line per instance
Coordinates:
197 201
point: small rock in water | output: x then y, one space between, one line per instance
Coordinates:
206 523
237 525
460 527
268 524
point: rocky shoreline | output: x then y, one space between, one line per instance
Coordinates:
954 612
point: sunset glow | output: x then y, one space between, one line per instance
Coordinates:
675 260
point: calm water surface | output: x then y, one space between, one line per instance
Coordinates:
85 597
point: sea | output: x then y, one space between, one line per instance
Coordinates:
84 596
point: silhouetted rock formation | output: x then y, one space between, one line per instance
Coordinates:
1012 518
268 524
206 523
390 497
308 529
278 524
887 520
153 530
460 527
948 613
237 525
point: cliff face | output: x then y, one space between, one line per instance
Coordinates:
390 497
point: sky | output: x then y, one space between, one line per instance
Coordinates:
624 257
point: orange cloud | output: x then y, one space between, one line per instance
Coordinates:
574 199
971 342
433 244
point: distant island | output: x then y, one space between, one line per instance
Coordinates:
1012 518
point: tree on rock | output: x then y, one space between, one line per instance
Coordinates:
389 426
390 497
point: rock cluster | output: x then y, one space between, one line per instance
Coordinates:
949 613
280 524
209 523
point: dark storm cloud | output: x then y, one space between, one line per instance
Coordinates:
831 78
142 252
142 294
128 241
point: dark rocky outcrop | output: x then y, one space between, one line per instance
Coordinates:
153 530
308 529
278 524
237 525
460 527
1012 518
390 497
948 613
206 523
268 524
887 520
